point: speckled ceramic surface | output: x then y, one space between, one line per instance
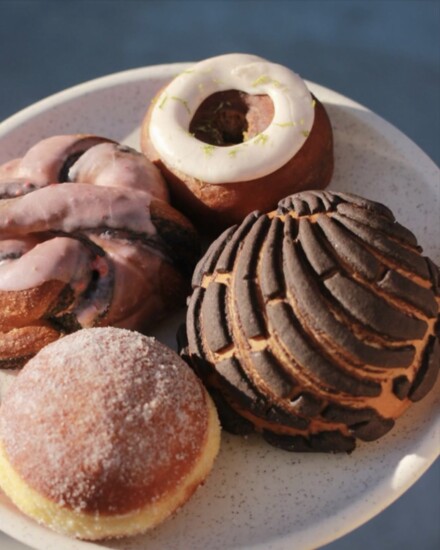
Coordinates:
259 497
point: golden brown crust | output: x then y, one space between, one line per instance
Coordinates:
23 330
214 207
20 308
17 345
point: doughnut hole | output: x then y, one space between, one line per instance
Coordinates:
231 117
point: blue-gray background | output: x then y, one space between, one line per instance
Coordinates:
384 54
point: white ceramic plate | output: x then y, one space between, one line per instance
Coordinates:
257 496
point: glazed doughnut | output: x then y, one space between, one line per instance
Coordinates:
105 433
103 248
316 324
236 133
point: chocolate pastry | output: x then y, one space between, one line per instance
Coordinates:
87 238
315 324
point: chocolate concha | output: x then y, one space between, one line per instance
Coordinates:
315 324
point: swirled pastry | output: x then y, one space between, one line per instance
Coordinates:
87 238
316 323
236 133
105 433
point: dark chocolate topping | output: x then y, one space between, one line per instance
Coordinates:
214 317
248 309
349 251
401 387
428 372
373 208
314 248
406 290
347 415
384 225
231 373
301 203
271 279
269 369
306 404
247 263
372 429
405 257
195 343
309 316
315 312
245 288
371 310
208 263
434 271
279 416
319 369
231 420
291 227
227 256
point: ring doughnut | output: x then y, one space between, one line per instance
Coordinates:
236 133
105 433
103 248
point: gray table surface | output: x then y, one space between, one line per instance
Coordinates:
385 55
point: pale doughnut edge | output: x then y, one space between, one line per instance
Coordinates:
95 527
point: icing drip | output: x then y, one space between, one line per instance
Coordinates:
44 162
62 259
71 233
77 206
113 165
257 157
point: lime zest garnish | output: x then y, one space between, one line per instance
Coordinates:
262 79
261 139
183 102
163 101
208 150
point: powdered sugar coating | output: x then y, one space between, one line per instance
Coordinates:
104 421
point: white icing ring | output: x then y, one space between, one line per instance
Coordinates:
255 158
